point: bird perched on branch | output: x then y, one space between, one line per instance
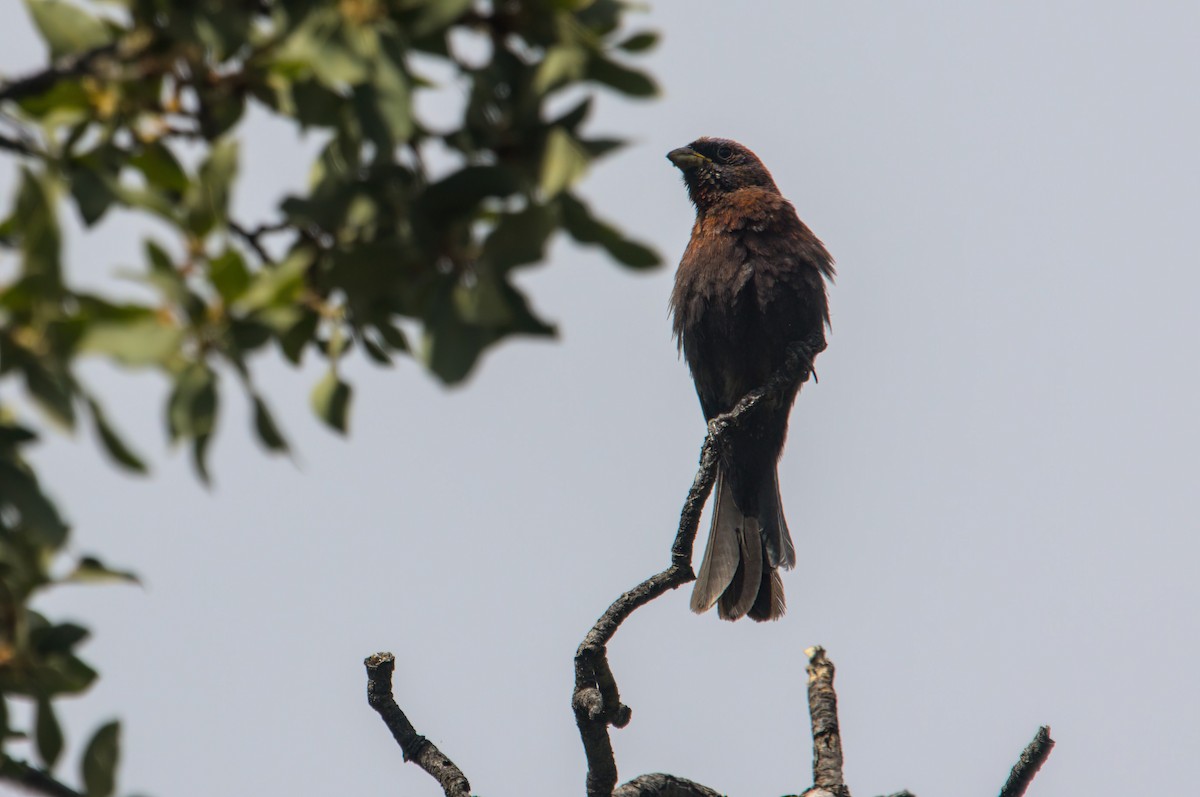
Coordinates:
751 282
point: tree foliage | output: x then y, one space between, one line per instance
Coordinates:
405 243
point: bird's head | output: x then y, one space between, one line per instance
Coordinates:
715 167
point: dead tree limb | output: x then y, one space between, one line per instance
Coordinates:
413 746
1031 760
596 699
826 734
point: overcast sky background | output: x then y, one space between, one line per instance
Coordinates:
993 489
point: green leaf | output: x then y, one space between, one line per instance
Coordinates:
67 28
520 238
92 192
112 442
266 428
318 45
639 42
138 343
563 64
437 15
293 341
48 734
207 199
52 389
331 401
91 570
161 169
163 275
41 241
229 274
192 407
37 512
99 765
13 436
564 161
587 229
625 80
61 638
277 285
462 191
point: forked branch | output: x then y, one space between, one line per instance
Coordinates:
596 699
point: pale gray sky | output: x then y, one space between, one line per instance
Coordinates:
993 489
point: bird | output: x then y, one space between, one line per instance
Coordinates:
751 282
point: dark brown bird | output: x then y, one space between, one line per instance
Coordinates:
751 282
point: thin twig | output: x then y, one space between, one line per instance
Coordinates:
413 746
1031 760
827 736
34 779
596 700
253 236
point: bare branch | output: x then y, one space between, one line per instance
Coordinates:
827 737
596 700
253 237
413 746
1031 760
660 785
34 779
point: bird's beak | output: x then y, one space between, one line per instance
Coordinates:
686 158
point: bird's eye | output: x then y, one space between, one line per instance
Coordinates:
724 153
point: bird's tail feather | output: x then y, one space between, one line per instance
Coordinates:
738 572
777 542
721 554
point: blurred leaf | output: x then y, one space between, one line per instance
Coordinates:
221 107
318 45
52 389
192 407
159 166
563 64
61 638
520 238
392 335
266 428
38 228
438 14
299 335
20 492
48 733
229 275
563 162
622 78
99 765
163 275
12 436
331 401
67 28
375 351
92 570
463 190
146 341
92 192
279 284
587 229
207 199
639 42
113 444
